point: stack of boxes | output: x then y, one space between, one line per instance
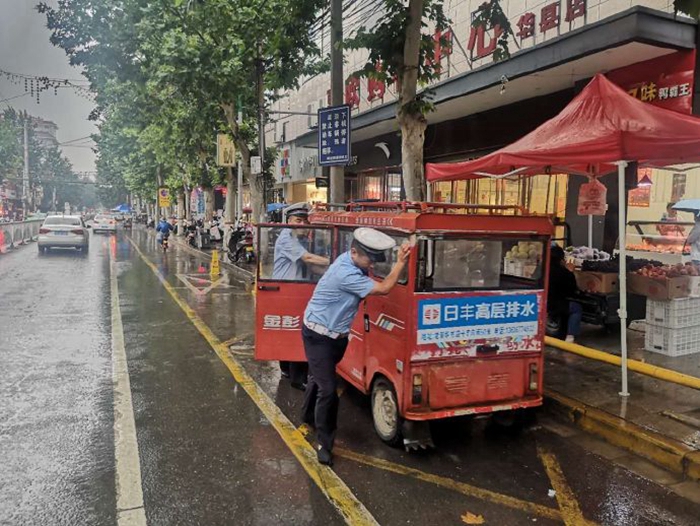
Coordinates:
673 326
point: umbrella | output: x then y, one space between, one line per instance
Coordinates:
273 207
688 205
125 209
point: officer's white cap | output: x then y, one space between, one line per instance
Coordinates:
297 209
373 242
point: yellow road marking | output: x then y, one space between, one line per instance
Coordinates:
337 492
460 487
570 510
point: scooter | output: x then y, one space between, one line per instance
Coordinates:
164 243
242 241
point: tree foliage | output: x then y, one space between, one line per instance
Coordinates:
171 74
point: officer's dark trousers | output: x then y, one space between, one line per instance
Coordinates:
321 399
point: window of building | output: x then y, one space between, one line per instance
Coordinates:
678 188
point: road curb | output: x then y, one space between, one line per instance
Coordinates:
665 452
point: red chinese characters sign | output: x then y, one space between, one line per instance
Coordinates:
665 81
550 16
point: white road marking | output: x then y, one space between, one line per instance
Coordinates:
130 510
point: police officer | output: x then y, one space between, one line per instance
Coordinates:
290 260
327 322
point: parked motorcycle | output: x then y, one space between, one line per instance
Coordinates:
240 246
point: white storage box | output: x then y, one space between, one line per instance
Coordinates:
674 314
672 342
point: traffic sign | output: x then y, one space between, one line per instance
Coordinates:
334 136
163 197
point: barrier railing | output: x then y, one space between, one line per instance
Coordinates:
18 233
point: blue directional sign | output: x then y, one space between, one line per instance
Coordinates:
334 136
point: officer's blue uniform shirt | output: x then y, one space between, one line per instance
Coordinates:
288 253
338 294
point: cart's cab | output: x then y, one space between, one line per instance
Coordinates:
461 333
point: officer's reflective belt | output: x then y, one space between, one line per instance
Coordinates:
324 331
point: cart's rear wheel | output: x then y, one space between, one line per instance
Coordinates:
385 413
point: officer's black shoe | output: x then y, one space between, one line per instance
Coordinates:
297 385
324 456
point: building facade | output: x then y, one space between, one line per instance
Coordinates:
556 46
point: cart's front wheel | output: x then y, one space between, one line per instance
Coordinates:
385 413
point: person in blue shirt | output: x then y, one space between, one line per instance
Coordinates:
290 261
291 256
327 321
163 230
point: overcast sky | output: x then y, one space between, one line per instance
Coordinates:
25 48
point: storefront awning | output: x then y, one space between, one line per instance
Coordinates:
601 126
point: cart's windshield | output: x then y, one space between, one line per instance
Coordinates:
486 263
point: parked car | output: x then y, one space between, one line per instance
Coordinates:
104 223
63 232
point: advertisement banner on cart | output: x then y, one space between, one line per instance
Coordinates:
442 320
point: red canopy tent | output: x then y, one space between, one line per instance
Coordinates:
599 131
601 126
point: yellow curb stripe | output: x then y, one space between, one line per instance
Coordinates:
570 509
634 365
459 487
332 486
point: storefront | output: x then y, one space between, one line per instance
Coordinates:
298 175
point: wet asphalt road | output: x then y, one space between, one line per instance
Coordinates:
207 453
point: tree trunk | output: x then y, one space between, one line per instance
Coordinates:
208 203
229 215
188 203
411 120
256 194
181 198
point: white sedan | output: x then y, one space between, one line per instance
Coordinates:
104 223
63 231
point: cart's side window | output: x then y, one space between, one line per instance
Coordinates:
284 249
344 240
381 270
483 263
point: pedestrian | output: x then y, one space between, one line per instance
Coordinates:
292 260
327 321
562 290
694 240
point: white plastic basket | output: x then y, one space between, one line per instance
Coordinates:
674 314
672 342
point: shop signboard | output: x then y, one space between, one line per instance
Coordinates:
334 136
477 318
322 182
666 81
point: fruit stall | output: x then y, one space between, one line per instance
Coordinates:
660 240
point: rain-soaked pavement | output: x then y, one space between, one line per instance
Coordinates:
208 451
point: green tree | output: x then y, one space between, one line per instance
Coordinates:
10 149
401 49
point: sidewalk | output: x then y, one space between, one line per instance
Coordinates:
659 421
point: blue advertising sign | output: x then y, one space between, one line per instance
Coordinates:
477 317
334 136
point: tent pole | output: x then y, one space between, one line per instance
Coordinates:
622 216
590 231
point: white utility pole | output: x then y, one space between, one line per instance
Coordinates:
25 171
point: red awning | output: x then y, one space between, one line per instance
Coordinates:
600 126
